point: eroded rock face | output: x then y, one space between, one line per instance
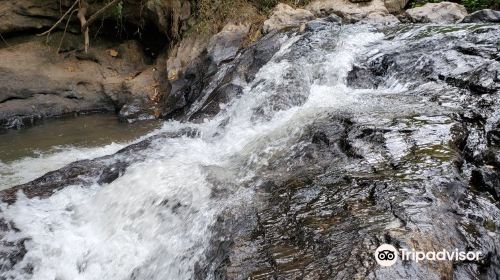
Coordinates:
35 15
25 15
285 16
35 82
38 83
443 12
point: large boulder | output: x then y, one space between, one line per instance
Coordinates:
284 16
443 12
486 15
183 53
192 62
395 6
350 12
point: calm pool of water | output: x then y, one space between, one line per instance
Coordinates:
82 131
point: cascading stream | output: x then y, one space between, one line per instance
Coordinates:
154 221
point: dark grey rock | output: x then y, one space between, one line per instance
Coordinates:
322 23
190 97
486 15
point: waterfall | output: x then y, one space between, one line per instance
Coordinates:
154 222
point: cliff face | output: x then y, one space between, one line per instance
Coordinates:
52 75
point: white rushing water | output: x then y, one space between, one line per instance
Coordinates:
28 168
154 222
31 167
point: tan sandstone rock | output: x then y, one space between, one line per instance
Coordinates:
443 12
284 16
36 82
350 12
395 6
377 17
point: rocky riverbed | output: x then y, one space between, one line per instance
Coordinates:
292 158
340 139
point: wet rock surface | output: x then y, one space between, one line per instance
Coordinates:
414 162
426 179
203 88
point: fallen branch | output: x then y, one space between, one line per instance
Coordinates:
99 13
82 11
60 20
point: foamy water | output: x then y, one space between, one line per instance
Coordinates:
29 168
154 222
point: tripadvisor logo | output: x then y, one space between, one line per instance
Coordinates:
387 255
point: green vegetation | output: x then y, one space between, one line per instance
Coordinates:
118 11
470 5
474 5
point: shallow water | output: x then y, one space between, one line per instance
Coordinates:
28 153
83 131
